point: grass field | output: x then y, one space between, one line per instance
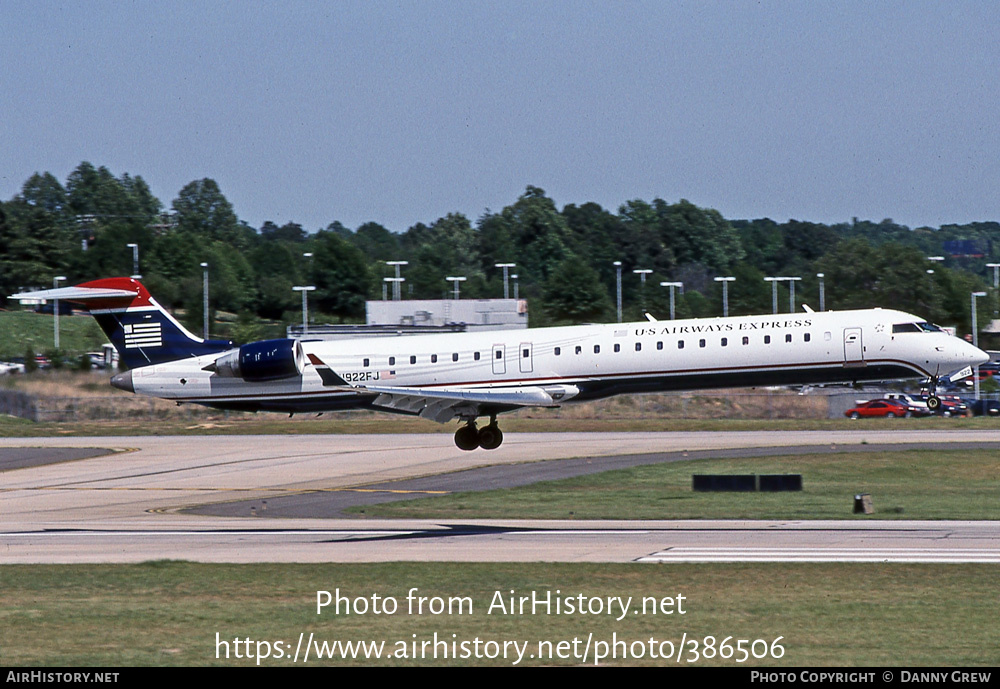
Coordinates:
915 484
20 330
169 613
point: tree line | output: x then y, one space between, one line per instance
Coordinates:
565 258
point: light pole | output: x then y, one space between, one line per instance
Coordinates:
204 301
456 281
975 338
996 282
791 293
55 311
725 294
135 261
822 293
514 278
307 255
618 269
774 293
671 285
642 273
396 284
305 305
506 267
996 274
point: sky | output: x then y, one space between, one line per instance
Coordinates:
403 112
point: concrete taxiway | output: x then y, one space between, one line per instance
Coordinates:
135 503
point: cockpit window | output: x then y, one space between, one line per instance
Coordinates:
916 328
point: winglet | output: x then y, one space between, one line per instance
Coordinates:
327 374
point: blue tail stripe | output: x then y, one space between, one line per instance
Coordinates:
149 337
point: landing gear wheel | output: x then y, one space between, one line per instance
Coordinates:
467 437
490 437
934 403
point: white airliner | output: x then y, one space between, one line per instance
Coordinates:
466 376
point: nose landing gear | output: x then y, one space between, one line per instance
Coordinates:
489 437
933 401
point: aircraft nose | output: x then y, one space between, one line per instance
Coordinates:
977 357
123 381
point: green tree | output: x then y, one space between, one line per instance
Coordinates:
343 278
202 211
574 294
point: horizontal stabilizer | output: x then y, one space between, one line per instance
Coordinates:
81 294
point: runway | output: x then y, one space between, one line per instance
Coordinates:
135 504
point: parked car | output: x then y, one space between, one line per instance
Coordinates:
889 409
951 405
918 406
985 407
990 368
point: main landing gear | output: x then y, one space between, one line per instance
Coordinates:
468 437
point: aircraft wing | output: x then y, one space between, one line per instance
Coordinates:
444 405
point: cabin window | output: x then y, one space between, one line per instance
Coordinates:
659 345
366 363
807 337
701 343
525 353
638 346
827 336
725 341
680 344
434 358
579 349
618 348
413 359
746 340
454 357
392 361
597 349
767 339
558 351
788 337
499 354
475 356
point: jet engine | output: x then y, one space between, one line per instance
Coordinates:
261 361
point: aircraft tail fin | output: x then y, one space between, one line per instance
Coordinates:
142 331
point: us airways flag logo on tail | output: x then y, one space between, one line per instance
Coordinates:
143 335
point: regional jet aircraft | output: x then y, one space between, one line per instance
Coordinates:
466 376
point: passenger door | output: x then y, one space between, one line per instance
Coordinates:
854 350
525 358
499 360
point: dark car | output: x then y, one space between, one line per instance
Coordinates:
952 405
985 407
889 409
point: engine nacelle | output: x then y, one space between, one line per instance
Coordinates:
261 361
